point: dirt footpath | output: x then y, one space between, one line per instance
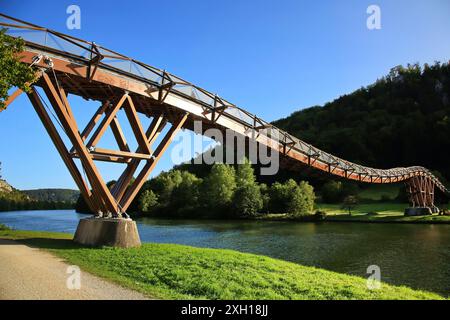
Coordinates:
29 273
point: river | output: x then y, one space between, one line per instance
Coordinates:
415 255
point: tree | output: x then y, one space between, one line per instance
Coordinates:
13 73
245 173
247 200
290 197
185 196
332 191
350 203
218 187
148 201
302 199
265 196
163 186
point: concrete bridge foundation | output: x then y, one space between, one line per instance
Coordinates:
96 232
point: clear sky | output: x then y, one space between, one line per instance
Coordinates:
269 57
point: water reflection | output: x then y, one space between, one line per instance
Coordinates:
414 255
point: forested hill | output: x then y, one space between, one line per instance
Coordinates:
402 119
53 195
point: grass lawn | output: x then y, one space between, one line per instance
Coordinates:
385 212
180 272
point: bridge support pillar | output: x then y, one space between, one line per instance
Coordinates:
420 190
97 232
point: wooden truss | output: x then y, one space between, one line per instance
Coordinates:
102 200
421 191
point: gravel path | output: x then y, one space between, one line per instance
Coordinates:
29 273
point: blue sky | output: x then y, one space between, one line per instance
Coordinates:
270 57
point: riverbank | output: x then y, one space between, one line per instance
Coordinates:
182 272
376 212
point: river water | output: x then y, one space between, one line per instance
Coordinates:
415 255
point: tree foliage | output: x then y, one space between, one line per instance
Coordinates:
218 187
295 199
13 73
148 201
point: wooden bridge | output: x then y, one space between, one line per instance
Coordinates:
67 65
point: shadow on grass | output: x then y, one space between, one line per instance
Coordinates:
45 243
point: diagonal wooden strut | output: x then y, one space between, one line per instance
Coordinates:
59 144
143 175
99 187
11 98
110 115
156 126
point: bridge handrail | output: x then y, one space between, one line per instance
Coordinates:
36 36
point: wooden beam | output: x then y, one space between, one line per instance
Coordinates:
118 135
11 98
123 154
106 122
62 150
97 183
155 128
143 175
135 123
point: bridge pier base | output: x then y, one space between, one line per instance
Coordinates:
97 232
418 211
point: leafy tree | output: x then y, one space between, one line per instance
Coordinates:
247 200
13 73
148 201
350 203
185 196
302 200
245 174
164 184
332 191
218 187
292 198
265 196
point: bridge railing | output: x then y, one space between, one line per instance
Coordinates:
38 37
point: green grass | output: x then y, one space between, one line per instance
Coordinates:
180 272
377 192
385 212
